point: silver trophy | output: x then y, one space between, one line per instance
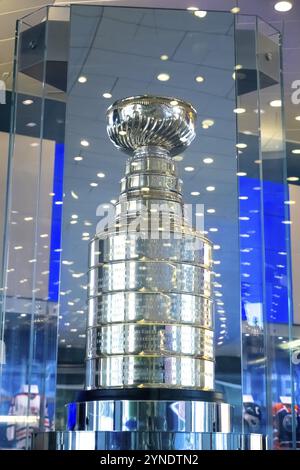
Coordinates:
150 309
150 352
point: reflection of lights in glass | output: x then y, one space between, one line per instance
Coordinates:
189 168
84 143
163 77
213 229
211 211
78 158
74 216
195 193
73 222
93 185
178 158
296 151
27 219
74 195
27 102
101 175
199 79
241 173
287 222
210 188
275 103
244 218
192 8
164 57
293 178
297 118
107 95
235 10
216 247
82 79
290 202
241 145
200 13
44 235
239 110
208 160
283 6
58 203
31 124
18 247
243 198
207 123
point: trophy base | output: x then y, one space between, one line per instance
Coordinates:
146 441
168 423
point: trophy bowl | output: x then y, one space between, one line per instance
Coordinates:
151 121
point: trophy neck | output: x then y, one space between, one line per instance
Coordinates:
151 151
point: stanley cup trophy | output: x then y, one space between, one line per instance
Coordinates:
150 349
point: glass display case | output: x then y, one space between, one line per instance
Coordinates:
152 283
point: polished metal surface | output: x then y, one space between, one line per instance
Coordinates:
150 321
149 371
152 415
151 121
162 440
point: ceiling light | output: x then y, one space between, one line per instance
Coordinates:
297 118
164 57
293 178
290 202
199 214
200 13
163 77
34 144
74 216
32 260
287 222
78 158
239 110
31 124
258 162
27 219
85 234
107 95
192 8
283 7
195 193
241 146
243 198
74 195
94 185
87 223
275 103
235 10
244 218
211 211
238 67
208 160
18 247
101 175
27 102
84 143
44 235
206 123
85 238
58 203
82 79
189 168
210 188
199 79
213 229
216 247
296 151
241 173
67 263
73 222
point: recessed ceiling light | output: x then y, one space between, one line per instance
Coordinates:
84 143
213 229
275 103
107 95
164 57
195 193
293 178
241 146
73 222
216 247
163 77
18 247
296 151
44 235
200 13
258 162
27 219
27 102
199 79
192 8
94 185
208 160
31 124
101 175
87 223
74 216
241 173
235 10
34 144
239 110
82 79
297 118
189 168
283 6
78 158
211 211
210 188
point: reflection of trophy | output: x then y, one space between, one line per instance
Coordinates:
150 354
